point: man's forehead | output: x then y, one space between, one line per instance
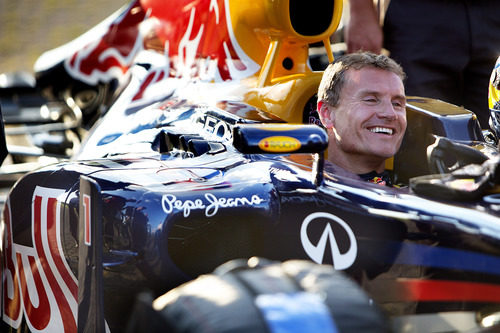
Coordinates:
370 71
374 79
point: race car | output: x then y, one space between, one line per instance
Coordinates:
210 151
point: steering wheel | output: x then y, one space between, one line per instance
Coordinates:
445 155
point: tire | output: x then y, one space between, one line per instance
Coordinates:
262 296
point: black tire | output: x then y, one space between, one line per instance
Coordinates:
230 300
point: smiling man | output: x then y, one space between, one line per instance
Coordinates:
361 103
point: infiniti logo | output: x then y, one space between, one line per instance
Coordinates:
317 252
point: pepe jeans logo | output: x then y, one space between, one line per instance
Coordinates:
317 252
211 204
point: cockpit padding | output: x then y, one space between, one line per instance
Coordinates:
428 118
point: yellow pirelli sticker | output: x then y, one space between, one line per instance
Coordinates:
279 144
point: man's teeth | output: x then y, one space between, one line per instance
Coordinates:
381 130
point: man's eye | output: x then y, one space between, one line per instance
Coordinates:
370 100
398 105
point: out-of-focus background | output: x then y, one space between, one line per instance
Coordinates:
30 27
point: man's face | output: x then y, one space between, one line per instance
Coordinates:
370 118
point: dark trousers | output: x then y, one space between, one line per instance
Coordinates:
447 48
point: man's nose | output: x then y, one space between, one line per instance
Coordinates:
386 110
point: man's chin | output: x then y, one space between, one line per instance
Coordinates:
384 154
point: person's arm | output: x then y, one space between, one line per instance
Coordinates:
363 31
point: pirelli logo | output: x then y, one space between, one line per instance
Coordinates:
279 144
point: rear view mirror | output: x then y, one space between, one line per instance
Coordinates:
283 139
279 139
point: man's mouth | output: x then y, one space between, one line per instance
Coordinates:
382 130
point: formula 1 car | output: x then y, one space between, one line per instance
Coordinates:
210 150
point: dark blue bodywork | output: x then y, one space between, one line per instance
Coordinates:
183 203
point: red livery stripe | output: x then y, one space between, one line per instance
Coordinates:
64 307
445 290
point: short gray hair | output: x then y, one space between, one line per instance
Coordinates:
333 78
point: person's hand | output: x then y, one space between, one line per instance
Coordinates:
363 31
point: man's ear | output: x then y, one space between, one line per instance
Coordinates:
326 115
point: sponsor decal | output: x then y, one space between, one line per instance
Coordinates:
37 281
210 204
111 55
199 45
279 144
192 44
317 251
217 129
201 42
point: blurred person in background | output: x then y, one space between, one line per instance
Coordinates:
446 47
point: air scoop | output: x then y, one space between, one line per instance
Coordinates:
283 139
